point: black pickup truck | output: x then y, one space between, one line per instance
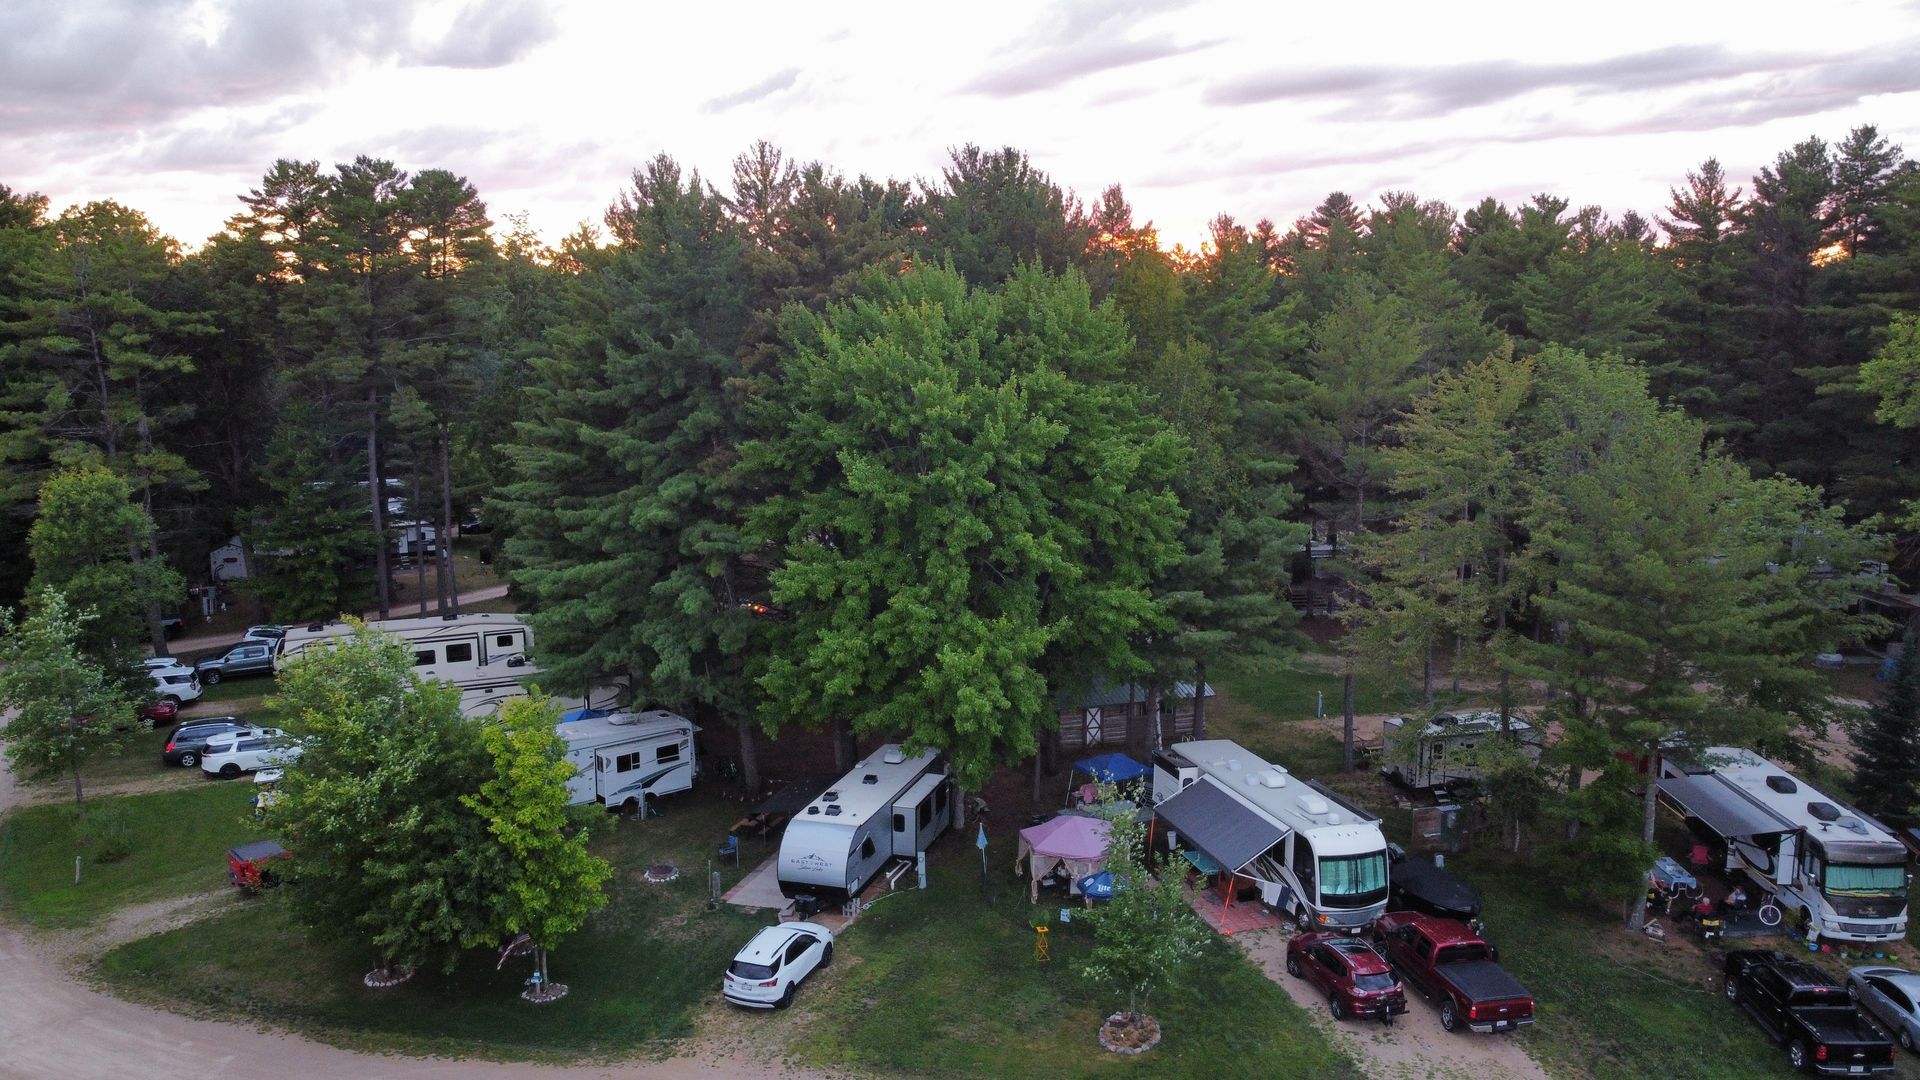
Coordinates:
1807 1012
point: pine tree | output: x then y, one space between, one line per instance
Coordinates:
1886 745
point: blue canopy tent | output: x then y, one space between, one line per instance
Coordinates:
571 715
1107 769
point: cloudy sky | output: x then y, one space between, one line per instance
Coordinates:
1256 109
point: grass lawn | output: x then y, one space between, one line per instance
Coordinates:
942 983
177 843
638 973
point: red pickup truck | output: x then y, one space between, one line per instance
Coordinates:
1443 960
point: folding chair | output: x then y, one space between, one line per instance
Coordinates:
731 847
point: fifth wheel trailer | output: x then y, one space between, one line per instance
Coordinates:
1826 864
889 806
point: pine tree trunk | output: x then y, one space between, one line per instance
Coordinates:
837 734
1346 729
749 757
1426 678
1036 777
1648 805
443 543
1153 719
1200 701
377 498
77 797
413 547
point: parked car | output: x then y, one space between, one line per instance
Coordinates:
160 714
1801 1008
1356 979
264 633
178 683
765 972
227 756
246 658
1891 996
173 625
1447 963
1418 885
189 740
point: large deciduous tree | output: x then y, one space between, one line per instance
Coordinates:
67 709
968 507
89 544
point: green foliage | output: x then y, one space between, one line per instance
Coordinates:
967 506
312 533
87 545
107 832
1146 932
1886 744
387 852
554 883
67 710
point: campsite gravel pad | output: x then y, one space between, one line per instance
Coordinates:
661 872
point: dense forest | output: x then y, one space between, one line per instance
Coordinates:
908 458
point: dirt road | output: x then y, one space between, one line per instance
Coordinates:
1414 1048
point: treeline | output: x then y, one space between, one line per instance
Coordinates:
912 458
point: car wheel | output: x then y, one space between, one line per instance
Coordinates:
826 958
1797 1056
174 698
1732 990
1293 967
229 770
786 998
210 676
1853 993
1338 1007
189 759
1449 1018
1906 1039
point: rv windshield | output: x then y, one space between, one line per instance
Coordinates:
1351 881
1866 880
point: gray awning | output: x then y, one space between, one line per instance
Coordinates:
1220 825
1720 805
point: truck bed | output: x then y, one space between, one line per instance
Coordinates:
1838 1025
1482 981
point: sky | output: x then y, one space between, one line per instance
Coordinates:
1255 109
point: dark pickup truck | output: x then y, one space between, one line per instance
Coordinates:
1443 960
1807 1012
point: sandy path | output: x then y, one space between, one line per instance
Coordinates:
1414 1048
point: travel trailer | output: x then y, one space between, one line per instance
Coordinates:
889 806
487 656
625 760
1431 756
1841 874
1311 853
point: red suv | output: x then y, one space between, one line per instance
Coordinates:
1355 977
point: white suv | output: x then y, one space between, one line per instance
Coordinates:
230 755
173 681
765 972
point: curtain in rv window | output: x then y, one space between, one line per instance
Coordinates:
1866 879
1353 875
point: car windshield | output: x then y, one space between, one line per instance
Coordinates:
1867 880
750 971
1382 981
1353 880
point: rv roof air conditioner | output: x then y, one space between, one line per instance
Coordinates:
1273 778
829 796
1783 784
813 809
834 810
869 779
892 757
1233 764
1826 812
1314 805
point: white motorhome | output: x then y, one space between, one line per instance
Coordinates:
1313 854
889 806
625 760
488 656
1432 755
1839 872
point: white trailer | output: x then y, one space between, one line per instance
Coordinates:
625 760
1313 855
1840 873
1436 754
890 806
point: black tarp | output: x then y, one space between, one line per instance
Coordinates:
1422 886
1720 805
1210 820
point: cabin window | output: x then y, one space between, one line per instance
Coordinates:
899 823
666 755
627 762
423 658
503 641
866 848
460 654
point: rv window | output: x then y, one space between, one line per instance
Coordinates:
940 799
866 849
423 658
899 823
926 812
1302 857
503 641
460 654
666 755
627 762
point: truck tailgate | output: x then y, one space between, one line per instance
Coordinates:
1483 981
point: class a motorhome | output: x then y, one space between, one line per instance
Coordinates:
1838 871
488 656
1433 755
1313 855
625 760
890 806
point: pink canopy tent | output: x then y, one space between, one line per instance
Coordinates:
1079 843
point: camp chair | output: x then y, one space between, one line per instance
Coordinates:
731 847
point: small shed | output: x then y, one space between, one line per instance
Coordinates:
1075 844
229 562
1112 714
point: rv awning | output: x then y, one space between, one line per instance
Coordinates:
1215 822
1720 805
